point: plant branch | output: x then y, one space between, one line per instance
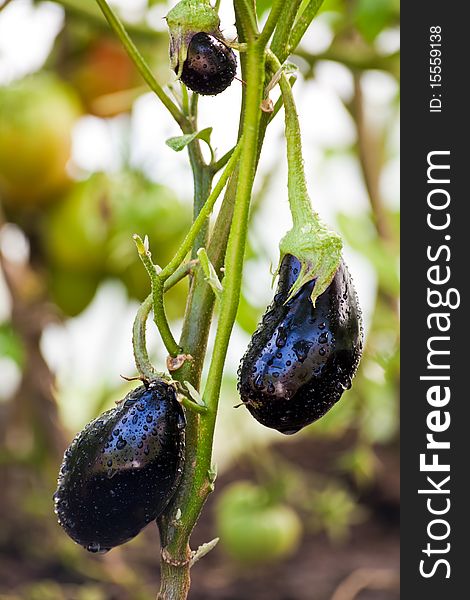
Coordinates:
141 357
88 12
159 315
301 207
142 361
141 64
272 21
283 29
4 4
202 217
247 16
302 23
237 239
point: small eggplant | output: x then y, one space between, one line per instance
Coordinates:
210 65
302 357
121 471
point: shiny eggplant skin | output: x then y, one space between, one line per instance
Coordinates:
302 358
120 472
210 65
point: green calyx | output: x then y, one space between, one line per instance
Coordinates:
317 248
184 20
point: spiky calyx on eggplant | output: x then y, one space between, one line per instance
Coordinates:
302 357
122 469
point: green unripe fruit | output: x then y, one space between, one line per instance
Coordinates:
254 530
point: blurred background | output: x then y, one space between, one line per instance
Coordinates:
83 166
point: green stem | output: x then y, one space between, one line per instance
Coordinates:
196 482
157 283
198 478
141 357
272 21
281 35
140 63
316 247
142 361
299 200
202 217
302 23
220 164
160 318
237 239
247 15
88 12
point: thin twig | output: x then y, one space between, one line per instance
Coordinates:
141 64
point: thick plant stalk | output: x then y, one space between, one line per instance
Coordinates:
176 554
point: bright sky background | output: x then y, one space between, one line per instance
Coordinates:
90 348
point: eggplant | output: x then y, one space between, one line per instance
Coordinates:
302 357
122 469
210 65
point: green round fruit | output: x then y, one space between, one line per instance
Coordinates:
37 115
76 230
252 529
71 291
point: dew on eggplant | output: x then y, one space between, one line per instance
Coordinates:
320 351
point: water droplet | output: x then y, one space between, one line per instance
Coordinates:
96 548
121 443
322 351
288 363
322 326
289 431
271 388
116 432
281 337
323 338
124 420
135 418
301 349
146 450
149 418
110 463
140 406
258 383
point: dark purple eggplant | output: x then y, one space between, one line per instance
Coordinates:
302 358
210 65
120 472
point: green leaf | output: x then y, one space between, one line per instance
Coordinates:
180 142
